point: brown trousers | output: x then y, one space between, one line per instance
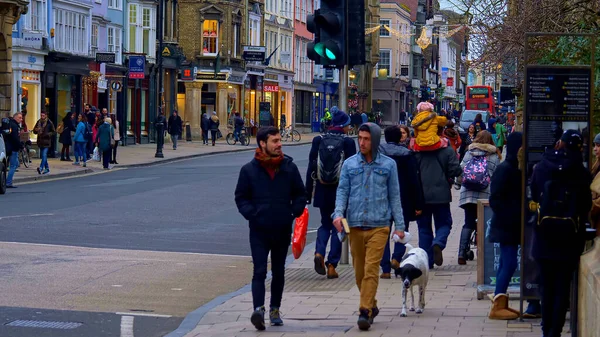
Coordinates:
367 248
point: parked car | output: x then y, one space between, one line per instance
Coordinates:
468 116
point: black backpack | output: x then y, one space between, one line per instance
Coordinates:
330 159
557 211
87 133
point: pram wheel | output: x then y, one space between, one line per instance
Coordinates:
471 255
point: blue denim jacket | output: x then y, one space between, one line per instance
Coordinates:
369 193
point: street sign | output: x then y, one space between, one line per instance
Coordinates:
105 57
116 86
137 66
450 82
188 74
254 53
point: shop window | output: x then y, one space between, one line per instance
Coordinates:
114 43
210 37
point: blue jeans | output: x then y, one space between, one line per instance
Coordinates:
508 265
399 250
236 135
324 233
80 151
44 156
13 165
443 225
174 138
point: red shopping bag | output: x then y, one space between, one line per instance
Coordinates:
300 230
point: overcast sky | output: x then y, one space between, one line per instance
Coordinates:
445 4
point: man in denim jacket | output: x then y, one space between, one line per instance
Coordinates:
369 195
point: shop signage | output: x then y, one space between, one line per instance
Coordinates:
404 71
188 74
247 83
450 82
459 91
32 40
105 57
211 77
254 53
329 74
271 88
166 52
31 59
259 83
116 86
137 67
271 77
102 83
285 57
444 73
235 79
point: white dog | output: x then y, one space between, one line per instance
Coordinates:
414 270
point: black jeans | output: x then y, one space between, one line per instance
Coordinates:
261 242
114 152
106 158
470 216
556 290
204 136
213 135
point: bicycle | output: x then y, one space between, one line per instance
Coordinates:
243 138
290 132
24 151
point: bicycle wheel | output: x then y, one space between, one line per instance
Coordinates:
230 139
24 157
296 136
246 140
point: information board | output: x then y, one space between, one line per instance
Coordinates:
264 113
557 98
488 254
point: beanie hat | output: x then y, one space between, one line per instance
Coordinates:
597 139
340 118
573 140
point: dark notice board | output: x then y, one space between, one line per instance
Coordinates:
555 97
264 113
488 253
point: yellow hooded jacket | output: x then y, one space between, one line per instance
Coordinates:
425 125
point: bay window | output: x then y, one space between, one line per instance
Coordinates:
254 31
115 4
114 42
94 39
71 32
38 15
142 30
210 37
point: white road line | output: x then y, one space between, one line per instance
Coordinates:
142 314
312 231
127 326
25 216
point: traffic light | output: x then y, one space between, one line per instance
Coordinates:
329 26
356 33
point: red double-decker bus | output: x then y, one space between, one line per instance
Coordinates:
480 97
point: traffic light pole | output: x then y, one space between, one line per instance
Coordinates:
343 102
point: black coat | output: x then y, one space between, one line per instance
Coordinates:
506 200
411 191
175 125
437 167
11 138
324 194
68 127
270 203
558 245
205 123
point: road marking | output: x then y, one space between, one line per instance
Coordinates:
141 314
312 231
176 289
69 177
119 249
117 285
126 326
24 216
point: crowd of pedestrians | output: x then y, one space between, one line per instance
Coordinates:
379 189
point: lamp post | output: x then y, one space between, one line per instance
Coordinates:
159 122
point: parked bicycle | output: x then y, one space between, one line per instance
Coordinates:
243 138
288 133
24 151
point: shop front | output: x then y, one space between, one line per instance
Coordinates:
389 98
253 95
278 90
303 106
325 97
27 85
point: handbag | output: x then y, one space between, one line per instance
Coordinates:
300 231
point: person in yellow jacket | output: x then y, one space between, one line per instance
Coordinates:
425 124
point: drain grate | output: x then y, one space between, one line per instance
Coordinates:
45 324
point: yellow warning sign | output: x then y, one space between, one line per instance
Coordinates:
166 52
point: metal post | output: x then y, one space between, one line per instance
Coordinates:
343 105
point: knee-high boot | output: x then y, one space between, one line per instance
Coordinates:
463 248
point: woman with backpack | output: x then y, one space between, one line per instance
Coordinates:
468 139
560 192
478 166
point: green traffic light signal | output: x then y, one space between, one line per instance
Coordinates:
325 52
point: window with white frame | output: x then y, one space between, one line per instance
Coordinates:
71 32
94 39
254 31
298 13
115 4
142 29
297 75
382 31
304 9
385 55
210 37
114 43
236 39
38 15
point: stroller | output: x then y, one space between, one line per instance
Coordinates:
472 245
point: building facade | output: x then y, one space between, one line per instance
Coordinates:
304 89
212 34
10 13
391 75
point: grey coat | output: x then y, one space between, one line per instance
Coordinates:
478 149
437 167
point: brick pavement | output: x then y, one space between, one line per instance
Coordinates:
316 307
138 155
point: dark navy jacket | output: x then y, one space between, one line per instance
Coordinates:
267 203
324 194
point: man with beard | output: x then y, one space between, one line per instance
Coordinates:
270 194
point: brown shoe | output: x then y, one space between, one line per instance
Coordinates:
319 264
500 309
395 264
462 261
331 273
386 276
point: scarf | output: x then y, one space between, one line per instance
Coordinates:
271 164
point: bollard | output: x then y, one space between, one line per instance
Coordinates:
345 249
188 132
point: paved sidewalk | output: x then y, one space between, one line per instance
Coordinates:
139 155
316 307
